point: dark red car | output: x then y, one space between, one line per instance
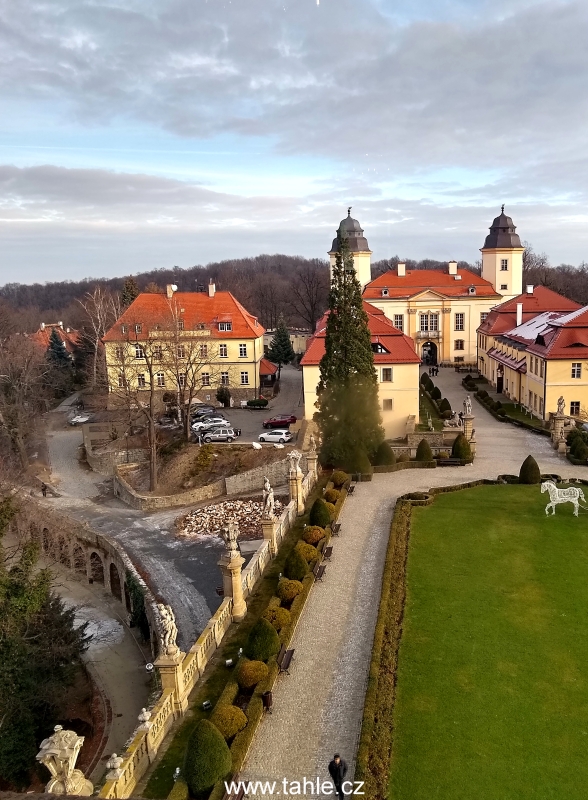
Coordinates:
279 421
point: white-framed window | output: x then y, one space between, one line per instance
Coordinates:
182 380
399 321
429 322
157 352
225 326
139 352
160 378
138 328
124 328
180 324
244 379
141 382
119 353
242 351
206 378
122 383
459 344
388 404
504 287
504 264
460 321
541 363
575 408
386 374
224 378
483 316
181 351
576 369
223 351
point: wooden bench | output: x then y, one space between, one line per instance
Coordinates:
328 553
284 658
351 489
319 571
335 528
449 462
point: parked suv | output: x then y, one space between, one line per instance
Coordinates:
279 421
220 435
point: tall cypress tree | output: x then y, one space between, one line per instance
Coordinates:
280 350
349 414
130 292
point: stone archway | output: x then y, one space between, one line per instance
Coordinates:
115 586
429 352
79 560
96 569
63 551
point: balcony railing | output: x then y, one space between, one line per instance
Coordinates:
428 334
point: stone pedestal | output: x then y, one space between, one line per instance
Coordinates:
312 462
231 566
268 527
468 426
59 753
295 484
170 670
557 430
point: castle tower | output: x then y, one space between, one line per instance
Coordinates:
502 257
359 247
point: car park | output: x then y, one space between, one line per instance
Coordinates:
202 411
279 421
209 422
219 435
281 435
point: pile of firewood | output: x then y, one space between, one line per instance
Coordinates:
209 521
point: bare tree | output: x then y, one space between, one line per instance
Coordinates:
309 291
102 310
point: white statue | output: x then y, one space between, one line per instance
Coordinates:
168 629
114 764
557 496
312 443
467 406
230 535
294 458
561 407
268 500
59 754
144 718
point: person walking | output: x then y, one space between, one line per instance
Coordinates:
44 490
337 771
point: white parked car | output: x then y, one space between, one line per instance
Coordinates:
209 422
281 435
79 419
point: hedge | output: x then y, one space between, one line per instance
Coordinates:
339 478
277 616
208 758
296 566
262 642
260 403
249 673
180 790
424 452
384 455
287 590
228 719
331 496
319 513
313 534
519 423
530 472
307 551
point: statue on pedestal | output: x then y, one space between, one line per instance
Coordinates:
268 500
230 535
168 630
312 443
467 406
294 458
561 407
59 753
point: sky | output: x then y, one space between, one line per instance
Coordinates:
138 134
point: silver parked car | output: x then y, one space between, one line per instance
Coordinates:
219 435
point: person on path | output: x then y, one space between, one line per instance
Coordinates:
44 490
337 771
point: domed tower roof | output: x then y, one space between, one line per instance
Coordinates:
353 232
502 233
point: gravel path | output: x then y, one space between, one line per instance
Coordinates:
318 707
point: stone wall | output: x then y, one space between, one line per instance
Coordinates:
104 462
251 480
142 502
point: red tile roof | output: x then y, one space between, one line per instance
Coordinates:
70 338
565 338
503 318
266 367
194 308
419 280
400 347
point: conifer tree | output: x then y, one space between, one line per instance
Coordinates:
57 355
349 415
61 373
280 350
130 292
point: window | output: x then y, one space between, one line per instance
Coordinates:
534 402
541 406
119 353
160 379
460 322
541 368
242 351
399 321
458 359
223 351
124 328
206 378
157 352
224 378
504 264
141 380
459 344
182 380
203 351
576 370
225 326
139 352
575 408
122 382
180 324
483 316
138 328
388 404
503 287
429 322
181 351
244 379
387 374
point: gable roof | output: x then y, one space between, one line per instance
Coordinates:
417 280
565 338
399 347
503 318
69 337
194 308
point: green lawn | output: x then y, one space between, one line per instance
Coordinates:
425 406
492 696
516 413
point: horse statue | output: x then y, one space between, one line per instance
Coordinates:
556 496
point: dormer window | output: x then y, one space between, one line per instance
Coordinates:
138 328
385 293
124 328
378 348
225 326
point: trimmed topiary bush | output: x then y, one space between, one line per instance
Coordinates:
384 455
331 510
331 496
530 472
424 452
319 513
501 412
307 551
436 393
482 393
339 478
287 590
295 567
424 378
249 673
403 458
468 378
262 642
277 616
313 534
445 405
575 433
229 719
358 462
461 448
497 405
446 414
581 453
208 758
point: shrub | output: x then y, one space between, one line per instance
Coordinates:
339 478
313 534
461 447
445 405
436 393
287 590
295 567
208 758
530 472
501 412
357 461
446 414
307 551
260 403
223 395
424 378
403 458
331 496
277 616
331 509
262 642
250 673
497 405
471 386
575 433
468 378
228 719
384 455
442 454
482 393
319 513
424 452
581 452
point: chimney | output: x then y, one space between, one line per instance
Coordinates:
519 314
453 267
530 288
68 330
401 269
60 324
170 289
211 288
42 326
